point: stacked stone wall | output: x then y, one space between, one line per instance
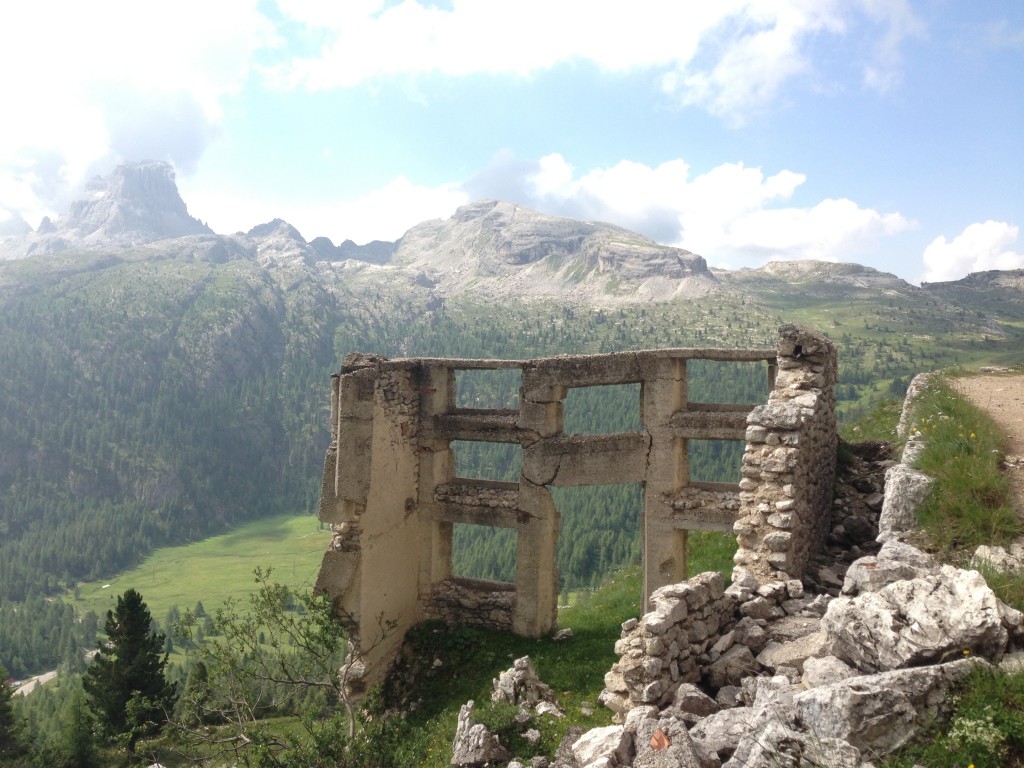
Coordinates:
669 645
473 602
789 462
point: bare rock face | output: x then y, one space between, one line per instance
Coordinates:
138 203
139 200
492 246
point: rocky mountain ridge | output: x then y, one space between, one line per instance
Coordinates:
486 250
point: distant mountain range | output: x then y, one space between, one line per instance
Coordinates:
160 382
487 249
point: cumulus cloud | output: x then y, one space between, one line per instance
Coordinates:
95 84
728 57
731 214
981 246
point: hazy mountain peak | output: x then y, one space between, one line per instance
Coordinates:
137 203
278 228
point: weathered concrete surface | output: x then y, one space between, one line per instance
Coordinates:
391 493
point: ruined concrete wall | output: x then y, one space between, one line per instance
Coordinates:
391 493
789 463
369 497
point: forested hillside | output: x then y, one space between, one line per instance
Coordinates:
165 393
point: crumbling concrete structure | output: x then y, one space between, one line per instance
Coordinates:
391 492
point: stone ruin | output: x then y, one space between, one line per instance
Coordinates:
392 496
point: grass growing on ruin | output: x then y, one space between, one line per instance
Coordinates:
970 502
986 729
471 658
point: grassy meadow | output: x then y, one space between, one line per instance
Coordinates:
217 568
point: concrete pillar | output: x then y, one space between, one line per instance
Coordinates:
536 609
436 467
663 393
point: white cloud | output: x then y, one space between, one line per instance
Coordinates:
729 56
731 214
981 246
96 83
381 214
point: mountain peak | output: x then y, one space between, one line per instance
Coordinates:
137 203
494 246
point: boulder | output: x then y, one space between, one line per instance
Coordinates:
665 743
826 670
777 744
915 622
730 669
894 562
996 559
691 700
474 745
880 713
520 685
721 732
905 489
612 743
792 653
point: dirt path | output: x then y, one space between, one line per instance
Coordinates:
1001 396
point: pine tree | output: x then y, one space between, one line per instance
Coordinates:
12 745
76 740
126 681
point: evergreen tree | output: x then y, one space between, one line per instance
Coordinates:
12 746
77 744
126 681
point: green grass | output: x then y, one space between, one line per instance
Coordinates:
985 731
575 668
877 423
217 568
970 502
472 658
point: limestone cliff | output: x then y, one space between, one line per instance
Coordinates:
138 203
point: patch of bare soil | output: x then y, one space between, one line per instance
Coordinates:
1001 396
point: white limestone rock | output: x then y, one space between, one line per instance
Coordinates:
905 489
665 743
825 671
918 621
730 669
612 743
792 653
880 713
895 561
520 685
776 744
995 558
474 745
721 732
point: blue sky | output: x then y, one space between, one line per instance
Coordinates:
885 132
